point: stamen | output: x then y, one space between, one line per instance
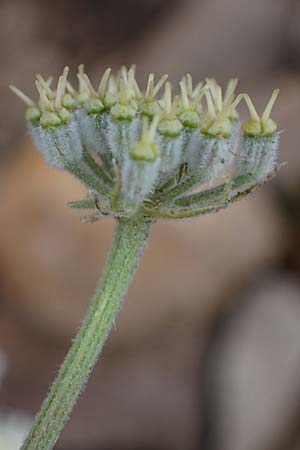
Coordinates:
197 98
61 87
70 88
103 82
153 126
237 101
65 76
267 112
197 89
167 99
219 99
81 69
45 86
148 132
136 89
145 122
216 93
210 104
159 84
49 81
83 88
112 86
132 71
124 74
89 85
252 110
183 80
118 79
123 91
184 94
150 85
130 90
189 82
59 93
43 97
21 95
231 86
175 104
82 85
210 82
230 106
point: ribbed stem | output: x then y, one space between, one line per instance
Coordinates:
128 244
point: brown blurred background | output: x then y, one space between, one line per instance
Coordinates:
206 351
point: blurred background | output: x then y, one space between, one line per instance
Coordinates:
206 351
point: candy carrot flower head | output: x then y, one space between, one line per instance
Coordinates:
143 155
147 149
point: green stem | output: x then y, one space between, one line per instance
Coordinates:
129 241
96 168
187 212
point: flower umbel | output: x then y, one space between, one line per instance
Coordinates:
136 151
142 158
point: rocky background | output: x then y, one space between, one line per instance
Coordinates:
206 352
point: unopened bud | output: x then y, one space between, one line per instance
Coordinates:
170 128
146 151
33 114
123 112
253 128
150 109
68 101
189 119
94 106
64 115
50 119
269 127
220 128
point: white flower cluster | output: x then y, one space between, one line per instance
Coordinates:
131 148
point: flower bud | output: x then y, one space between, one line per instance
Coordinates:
33 114
264 125
170 128
50 119
253 128
68 101
189 119
64 115
269 127
150 109
123 112
219 128
93 106
109 100
141 167
146 151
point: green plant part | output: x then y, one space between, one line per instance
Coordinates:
141 158
264 125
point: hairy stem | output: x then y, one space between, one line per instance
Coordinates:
128 244
187 212
98 170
